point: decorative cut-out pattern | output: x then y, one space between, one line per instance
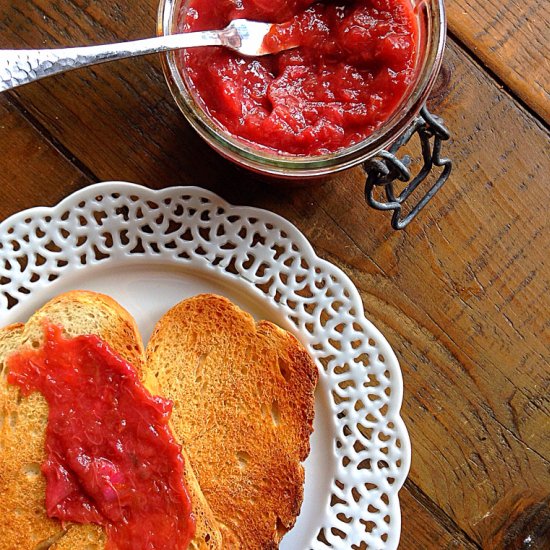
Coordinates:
113 221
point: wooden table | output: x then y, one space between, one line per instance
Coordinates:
462 294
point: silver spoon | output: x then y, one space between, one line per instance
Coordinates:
19 67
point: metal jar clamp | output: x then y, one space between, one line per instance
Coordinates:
385 169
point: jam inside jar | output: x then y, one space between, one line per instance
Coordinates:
352 66
298 151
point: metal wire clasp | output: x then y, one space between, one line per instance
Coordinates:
386 168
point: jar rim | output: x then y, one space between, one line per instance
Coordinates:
271 163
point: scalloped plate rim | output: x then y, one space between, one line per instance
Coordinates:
395 404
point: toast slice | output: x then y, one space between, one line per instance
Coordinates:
23 420
243 408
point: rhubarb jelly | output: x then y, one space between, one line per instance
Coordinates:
111 458
354 64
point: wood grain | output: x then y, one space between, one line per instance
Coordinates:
523 517
32 173
512 38
419 530
462 295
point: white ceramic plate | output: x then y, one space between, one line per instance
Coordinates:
150 249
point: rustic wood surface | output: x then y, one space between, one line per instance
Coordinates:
512 39
462 295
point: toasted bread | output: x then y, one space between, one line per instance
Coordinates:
243 408
23 420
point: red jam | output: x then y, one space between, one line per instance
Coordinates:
111 458
354 65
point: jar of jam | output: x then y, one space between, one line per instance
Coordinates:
353 92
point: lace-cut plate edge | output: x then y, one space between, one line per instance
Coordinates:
114 222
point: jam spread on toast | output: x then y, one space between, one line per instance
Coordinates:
111 458
354 64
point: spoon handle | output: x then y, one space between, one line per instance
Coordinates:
19 67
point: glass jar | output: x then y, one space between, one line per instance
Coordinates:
432 26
